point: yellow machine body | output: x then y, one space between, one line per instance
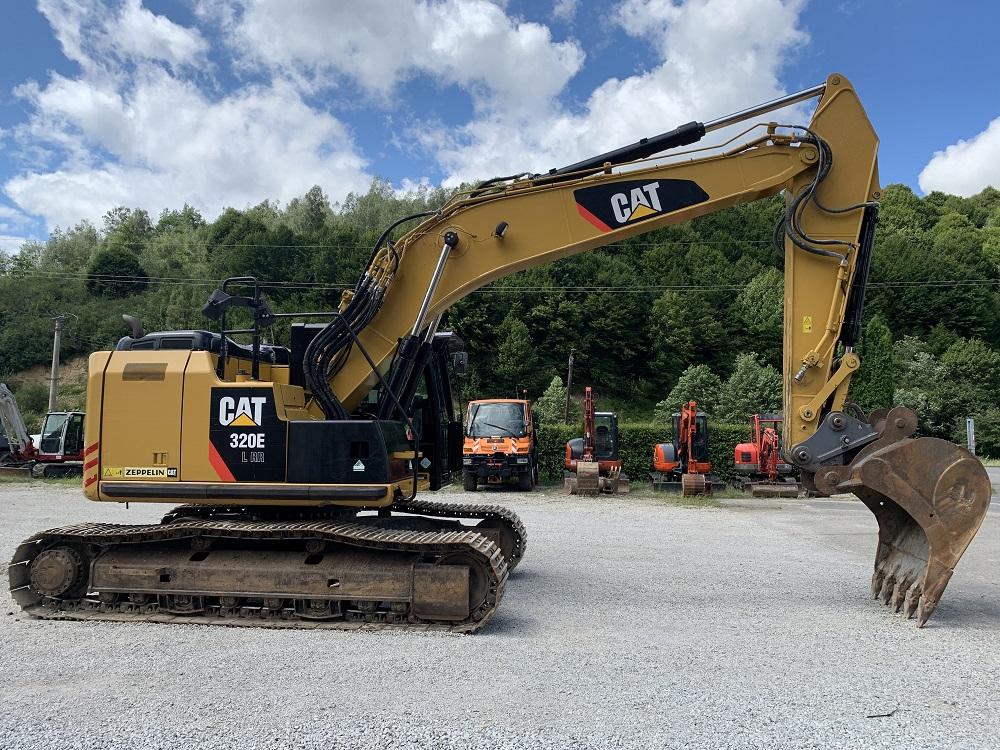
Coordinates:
162 427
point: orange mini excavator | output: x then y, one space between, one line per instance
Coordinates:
765 473
683 464
592 463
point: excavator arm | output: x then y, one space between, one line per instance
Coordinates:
21 444
928 495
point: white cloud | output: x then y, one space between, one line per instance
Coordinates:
142 34
11 243
144 122
716 56
564 10
966 167
89 31
380 44
11 217
147 136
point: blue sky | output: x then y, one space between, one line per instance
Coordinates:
153 103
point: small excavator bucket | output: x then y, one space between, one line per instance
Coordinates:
695 484
587 480
929 496
775 489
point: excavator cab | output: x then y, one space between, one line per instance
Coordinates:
606 436
62 434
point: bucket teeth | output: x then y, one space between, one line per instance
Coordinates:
899 592
888 583
911 602
877 577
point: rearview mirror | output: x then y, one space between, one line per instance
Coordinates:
460 361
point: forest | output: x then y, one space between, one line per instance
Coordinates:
691 311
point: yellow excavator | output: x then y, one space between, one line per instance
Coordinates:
299 468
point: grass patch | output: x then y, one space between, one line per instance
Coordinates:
15 480
990 461
691 501
60 481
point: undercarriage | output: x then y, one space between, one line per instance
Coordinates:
242 566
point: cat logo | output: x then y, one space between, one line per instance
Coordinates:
243 412
620 203
638 203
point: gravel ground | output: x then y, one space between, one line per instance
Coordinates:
631 623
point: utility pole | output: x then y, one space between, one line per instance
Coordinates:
54 381
569 385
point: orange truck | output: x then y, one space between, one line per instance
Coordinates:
500 444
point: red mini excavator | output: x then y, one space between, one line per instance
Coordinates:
766 474
683 464
59 449
592 463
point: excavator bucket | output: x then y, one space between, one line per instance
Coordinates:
775 489
929 497
587 480
695 484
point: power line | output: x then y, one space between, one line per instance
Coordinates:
536 289
367 247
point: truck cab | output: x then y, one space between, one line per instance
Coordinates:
500 444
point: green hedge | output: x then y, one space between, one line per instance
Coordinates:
637 442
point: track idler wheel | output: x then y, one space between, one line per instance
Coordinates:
930 497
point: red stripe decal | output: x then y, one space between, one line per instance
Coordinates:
592 219
90 481
219 465
91 463
91 449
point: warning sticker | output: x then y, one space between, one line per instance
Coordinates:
359 466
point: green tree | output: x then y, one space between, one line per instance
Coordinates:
127 229
186 219
872 387
902 213
987 433
915 288
955 235
991 238
551 405
970 378
696 383
33 397
684 330
515 356
754 387
759 310
116 272
309 213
